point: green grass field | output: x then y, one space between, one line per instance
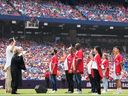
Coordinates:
60 92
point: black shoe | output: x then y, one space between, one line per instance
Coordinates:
13 93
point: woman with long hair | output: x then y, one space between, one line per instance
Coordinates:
90 61
96 69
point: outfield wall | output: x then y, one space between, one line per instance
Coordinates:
30 84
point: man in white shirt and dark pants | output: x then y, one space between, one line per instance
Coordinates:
9 55
68 66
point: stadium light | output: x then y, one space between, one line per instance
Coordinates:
45 24
78 26
111 27
13 22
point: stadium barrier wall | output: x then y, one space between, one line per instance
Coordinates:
57 20
30 84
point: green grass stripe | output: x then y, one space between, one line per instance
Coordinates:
60 92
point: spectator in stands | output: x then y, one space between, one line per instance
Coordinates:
56 9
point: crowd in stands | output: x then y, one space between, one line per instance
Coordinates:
6 9
104 12
51 9
56 9
38 56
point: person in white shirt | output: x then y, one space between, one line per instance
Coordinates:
68 66
9 55
90 63
96 70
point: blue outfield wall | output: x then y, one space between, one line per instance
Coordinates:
30 84
71 21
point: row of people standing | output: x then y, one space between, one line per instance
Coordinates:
98 69
73 66
78 69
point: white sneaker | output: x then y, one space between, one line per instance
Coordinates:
1 87
120 91
104 91
78 92
117 92
52 91
95 94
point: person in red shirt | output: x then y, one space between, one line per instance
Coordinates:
118 60
68 63
105 70
78 66
96 69
53 66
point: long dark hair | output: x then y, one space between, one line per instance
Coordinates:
98 50
10 40
118 48
106 55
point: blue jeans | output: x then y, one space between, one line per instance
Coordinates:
53 82
78 81
105 83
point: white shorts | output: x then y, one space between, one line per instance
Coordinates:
117 77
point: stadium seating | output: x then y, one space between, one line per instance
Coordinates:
38 56
56 9
6 9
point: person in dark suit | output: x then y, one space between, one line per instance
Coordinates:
17 64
